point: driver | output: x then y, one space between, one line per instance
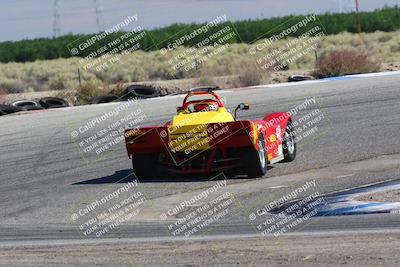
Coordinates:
203 106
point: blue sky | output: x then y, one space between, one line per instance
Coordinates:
27 19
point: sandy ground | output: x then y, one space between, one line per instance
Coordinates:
390 66
344 250
387 196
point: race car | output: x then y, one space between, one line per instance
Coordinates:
205 137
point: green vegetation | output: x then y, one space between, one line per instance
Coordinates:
387 19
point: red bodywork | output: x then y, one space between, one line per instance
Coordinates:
226 142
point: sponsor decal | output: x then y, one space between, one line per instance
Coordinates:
278 132
272 138
280 150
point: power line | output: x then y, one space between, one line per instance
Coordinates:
340 6
99 15
358 17
345 6
56 18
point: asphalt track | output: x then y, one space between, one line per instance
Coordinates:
46 177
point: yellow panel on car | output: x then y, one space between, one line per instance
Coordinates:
221 115
188 138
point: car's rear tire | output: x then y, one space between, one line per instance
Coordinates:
289 143
256 161
144 166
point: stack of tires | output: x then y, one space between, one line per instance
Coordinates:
25 105
8 109
131 92
300 78
53 102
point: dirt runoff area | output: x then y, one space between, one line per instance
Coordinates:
343 250
385 196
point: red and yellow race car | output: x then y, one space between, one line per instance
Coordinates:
204 137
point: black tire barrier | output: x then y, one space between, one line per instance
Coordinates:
26 108
299 78
53 102
8 109
204 88
104 99
25 103
140 92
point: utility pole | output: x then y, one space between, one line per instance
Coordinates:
358 19
99 15
56 18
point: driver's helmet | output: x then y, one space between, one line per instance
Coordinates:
204 106
212 107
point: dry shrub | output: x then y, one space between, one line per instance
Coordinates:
2 94
119 89
11 86
342 62
205 80
250 74
87 92
42 88
68 95
385 38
